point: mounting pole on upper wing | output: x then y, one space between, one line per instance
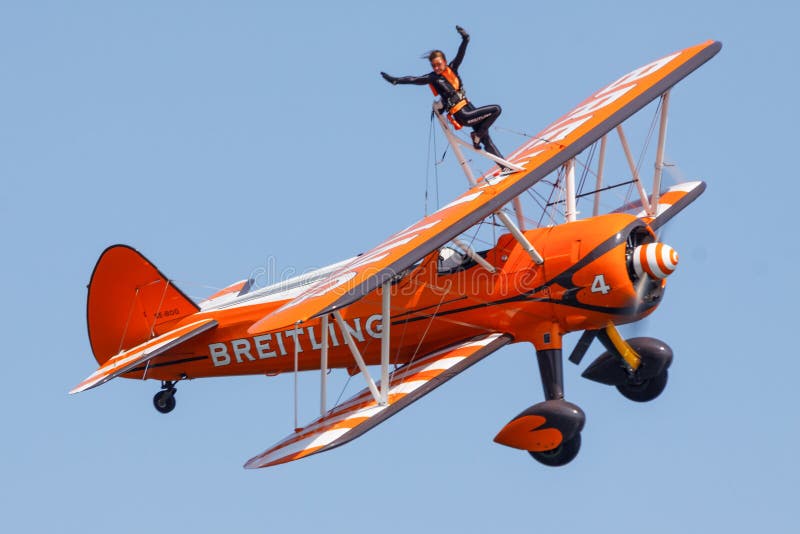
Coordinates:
455 142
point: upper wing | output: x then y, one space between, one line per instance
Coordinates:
551 148
361 413
128 359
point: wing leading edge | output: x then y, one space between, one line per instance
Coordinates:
361 413
558 143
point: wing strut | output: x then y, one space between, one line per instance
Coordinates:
662 138
323 367
296 366
454 142
634 172
519 236
357 356
381 396
571 211
599 184
386 322
474 256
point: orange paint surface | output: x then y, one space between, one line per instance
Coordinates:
524 433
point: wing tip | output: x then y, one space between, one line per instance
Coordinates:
250 464
83 386
260 462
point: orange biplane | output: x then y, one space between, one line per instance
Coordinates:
424 305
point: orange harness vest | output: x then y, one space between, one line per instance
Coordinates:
452 78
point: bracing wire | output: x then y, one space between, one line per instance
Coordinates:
586 166
428 165
555 188
344 388
424 335
586 169
643 152
541 202
649 137
432 150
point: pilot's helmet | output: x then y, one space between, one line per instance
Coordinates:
450 259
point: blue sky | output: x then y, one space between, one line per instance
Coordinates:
219 139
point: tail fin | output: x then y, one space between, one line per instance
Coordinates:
129 302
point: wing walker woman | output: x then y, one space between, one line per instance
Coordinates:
445 81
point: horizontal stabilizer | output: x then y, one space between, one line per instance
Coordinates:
361 413
127 360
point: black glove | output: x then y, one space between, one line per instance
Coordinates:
462 32
391 79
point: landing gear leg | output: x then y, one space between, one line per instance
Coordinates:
164 400
551 369
549 431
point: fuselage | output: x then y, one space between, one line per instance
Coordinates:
585 282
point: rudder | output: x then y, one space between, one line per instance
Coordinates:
129 302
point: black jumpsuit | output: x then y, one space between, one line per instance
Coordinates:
480 119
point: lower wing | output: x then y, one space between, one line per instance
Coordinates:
361 413
670 203
673 201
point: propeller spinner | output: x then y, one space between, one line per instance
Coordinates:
656 260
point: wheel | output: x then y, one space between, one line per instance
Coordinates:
561 455
646 390
164 401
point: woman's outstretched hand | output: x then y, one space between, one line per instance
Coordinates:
391 79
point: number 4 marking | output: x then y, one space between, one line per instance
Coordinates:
599 285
